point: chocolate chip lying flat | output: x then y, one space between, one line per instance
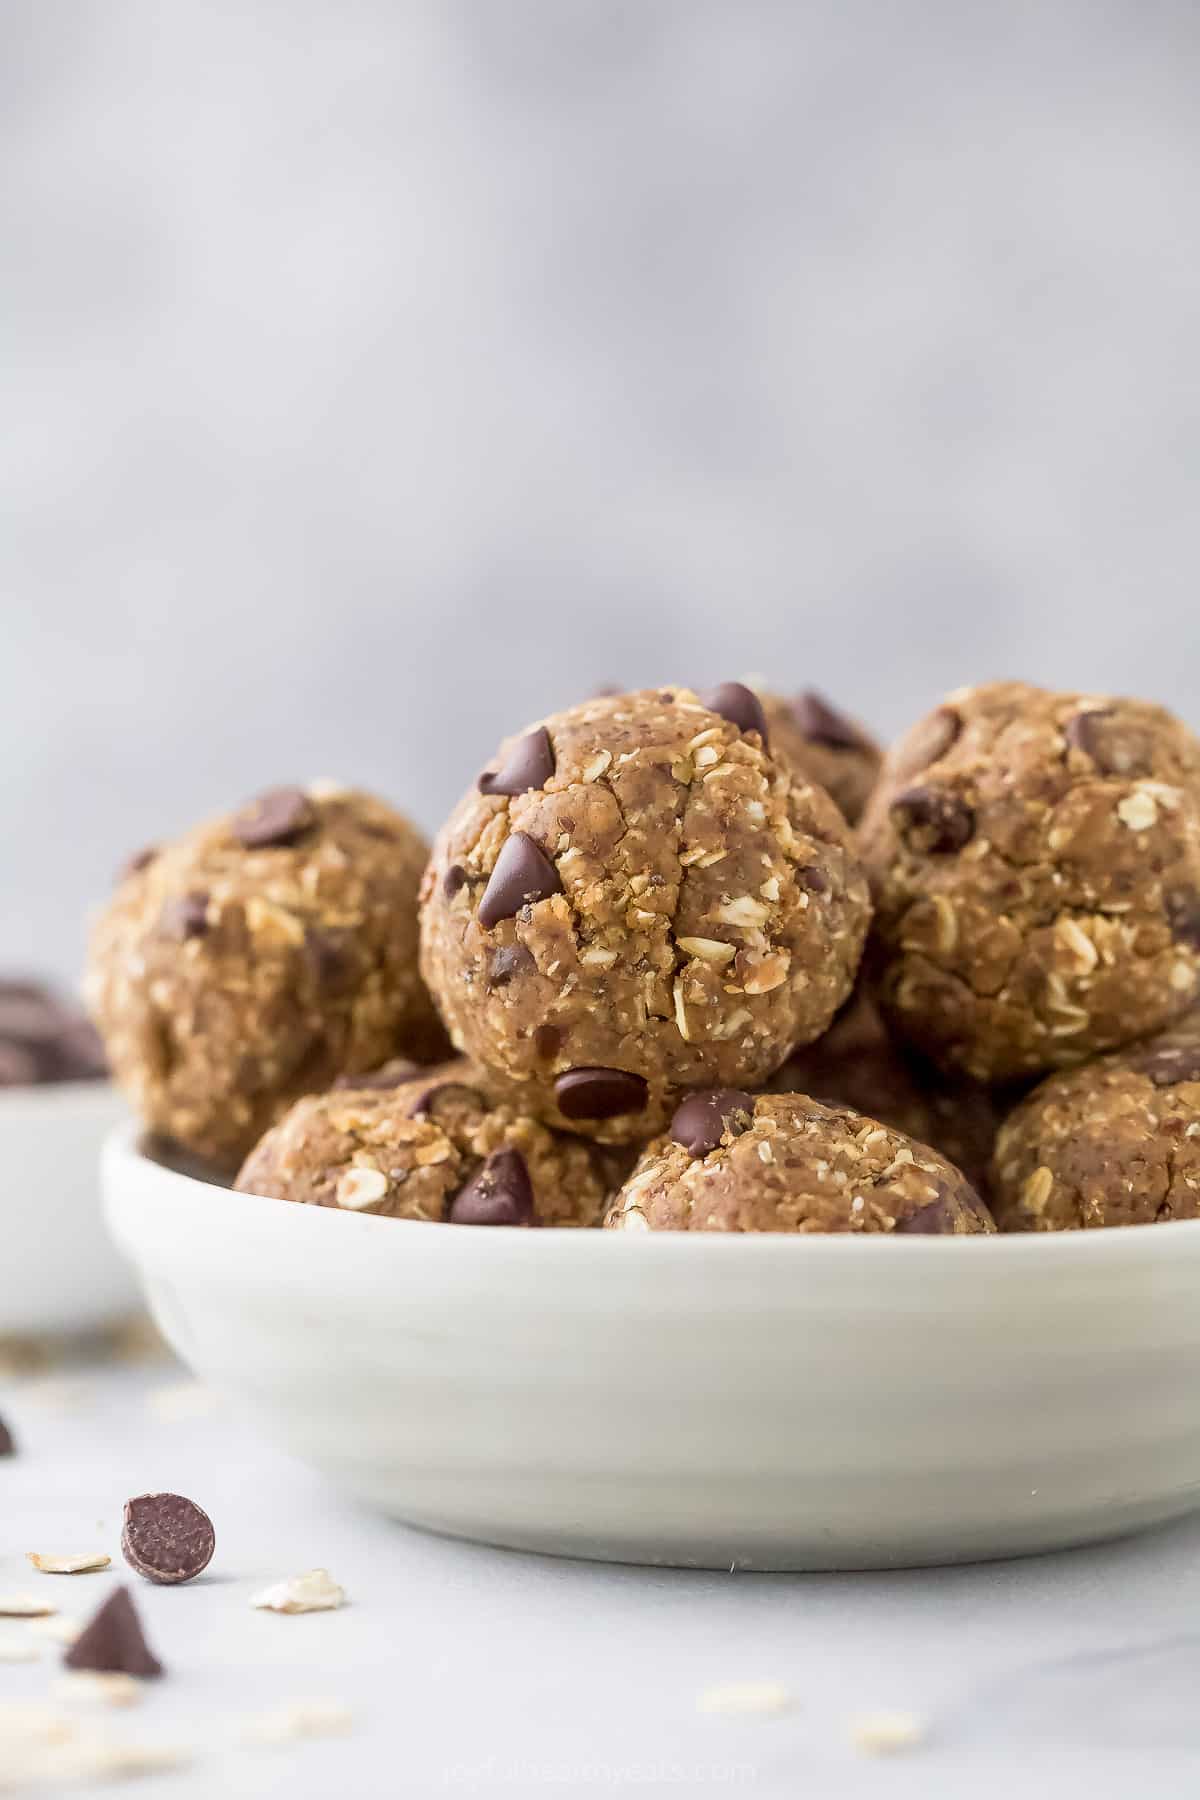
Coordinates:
523 874
529 764
501 1193
702 1119
503 964
1171 1063
7 1447
277 817
166 1538
599 1093
734 701
186 916
113 1642
823 724
935 819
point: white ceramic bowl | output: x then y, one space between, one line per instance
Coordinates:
59 1271
774 1402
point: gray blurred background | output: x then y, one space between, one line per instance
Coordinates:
375 376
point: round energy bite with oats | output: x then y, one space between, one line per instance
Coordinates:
1116 1142
825 746
434 1148
639 897
781 1162
258 958
1035 864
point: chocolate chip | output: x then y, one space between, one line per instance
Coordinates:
18 1066
822 724
813 878
933 819
112 1642
133 865
1183 916
529 764
1117 745
740 705
388 1075
503 964
548 1040
501 1193
277 817
1083 733
926 743
599 1093
523 874
166 1538
454 879
938 1217
7 1447
185 916
1171 1063
425 1106
703 1118
328 956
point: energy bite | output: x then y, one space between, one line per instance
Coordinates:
639 897
1114 1143
782 1162
257 959
825 746
432 1148
857 1064
1035 863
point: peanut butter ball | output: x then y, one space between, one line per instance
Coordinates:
1035 863
430 1148
781 1162
639 897
258 958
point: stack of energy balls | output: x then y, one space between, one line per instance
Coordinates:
708 962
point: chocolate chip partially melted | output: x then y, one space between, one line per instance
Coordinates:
500 1193
734 701
823 724
592 1093
529 764
523 875
703 1119
279 817
933 819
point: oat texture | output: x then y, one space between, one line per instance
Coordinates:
1035 862
235 970
664 899
786 1163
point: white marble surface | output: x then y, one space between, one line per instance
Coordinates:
479 1671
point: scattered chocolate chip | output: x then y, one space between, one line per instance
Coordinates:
426 1104
133 865
703 1118
503 964
166 1538
523 874
184 916
112 1642
740 705
822 724
454 879
501 1193
926 743
7 1447
813 878
933 819
1183 916
548 1040
1171 1063
529 764
277 817
388 1075
599 1093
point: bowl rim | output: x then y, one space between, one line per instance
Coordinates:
123 1157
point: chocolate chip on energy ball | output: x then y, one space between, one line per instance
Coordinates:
529 764
185 916
503 964
1170 1064
702 1120
1183 916
927 742
425 1104
937 820
734 701
523 874
824 724
548 1040
133 865
599 1093
454 879
276 818
112 1642
7 1447
166 1538
501 1193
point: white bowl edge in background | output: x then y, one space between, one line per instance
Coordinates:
693 1398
